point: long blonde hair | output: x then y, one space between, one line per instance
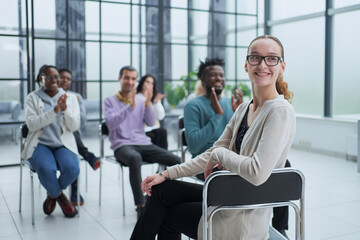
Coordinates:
281 85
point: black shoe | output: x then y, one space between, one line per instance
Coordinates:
283 232
139 210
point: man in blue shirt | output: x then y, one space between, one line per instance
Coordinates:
206 116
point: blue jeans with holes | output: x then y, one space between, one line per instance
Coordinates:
47 160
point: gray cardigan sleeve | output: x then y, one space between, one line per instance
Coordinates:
258 158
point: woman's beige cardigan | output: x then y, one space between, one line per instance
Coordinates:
265 146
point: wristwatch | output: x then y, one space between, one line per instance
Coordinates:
164 176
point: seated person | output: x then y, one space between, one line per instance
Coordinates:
157 134
125 114
52 116
206 116
65 83
256 141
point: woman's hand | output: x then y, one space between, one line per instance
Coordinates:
209 168
239 99
152 181
158 97
61 104
148 94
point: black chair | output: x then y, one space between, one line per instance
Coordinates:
23 132
103 134
224 190
182 145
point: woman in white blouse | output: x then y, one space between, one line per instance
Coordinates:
157 134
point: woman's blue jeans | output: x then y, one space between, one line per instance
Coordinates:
47 160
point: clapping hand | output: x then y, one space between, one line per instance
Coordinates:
133 98
61 103
148 94
239 99
214 102
158 97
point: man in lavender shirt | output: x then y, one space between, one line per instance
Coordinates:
125 114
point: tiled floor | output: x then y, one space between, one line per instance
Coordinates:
332 203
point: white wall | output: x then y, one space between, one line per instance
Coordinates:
337 137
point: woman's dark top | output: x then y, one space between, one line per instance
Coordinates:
242 130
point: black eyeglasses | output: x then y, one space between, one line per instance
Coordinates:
50 78
255 60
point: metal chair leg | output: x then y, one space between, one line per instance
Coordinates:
20 192
100 181
86 177
78 193
32 198
122 187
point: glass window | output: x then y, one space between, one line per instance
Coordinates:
241 58
110 88
261 9
200 26
198 53
93 92
45 53
201 4
136 23
247 6
224 25
285 9
178 3
92 20
345 3
230 5
136 48
115 24
13 53
304 54
178 28
179 61
229 63
9 17
246 30
114 56
151 24
121 1
346 78
92 61
12 90
45 18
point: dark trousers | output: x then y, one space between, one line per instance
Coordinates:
174 207
158 137
134 155
84 152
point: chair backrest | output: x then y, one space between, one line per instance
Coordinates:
24 130
229 189
104 128
224 189
182 130
181 122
